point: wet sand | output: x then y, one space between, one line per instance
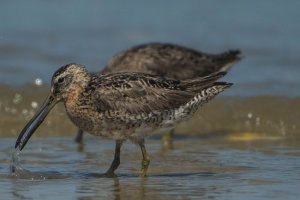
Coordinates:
261 116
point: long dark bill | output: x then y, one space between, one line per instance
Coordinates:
34 123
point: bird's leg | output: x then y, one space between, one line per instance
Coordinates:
146 159
79 136
167 139
116 162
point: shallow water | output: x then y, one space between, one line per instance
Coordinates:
234 148
56 168
242 145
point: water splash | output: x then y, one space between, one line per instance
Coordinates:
18 172
15 167
38 82
15 162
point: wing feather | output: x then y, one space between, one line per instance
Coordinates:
137 93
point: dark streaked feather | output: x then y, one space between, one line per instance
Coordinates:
137 93
172 61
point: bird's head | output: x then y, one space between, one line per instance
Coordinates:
66 79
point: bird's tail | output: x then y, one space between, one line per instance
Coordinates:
200 98
209 93
227 59
198 84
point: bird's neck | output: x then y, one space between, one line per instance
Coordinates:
75 90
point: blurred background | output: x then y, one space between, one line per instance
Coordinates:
242 145
37 37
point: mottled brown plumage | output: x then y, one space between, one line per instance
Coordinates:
124 106
170 61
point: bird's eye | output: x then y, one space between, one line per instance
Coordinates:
61 79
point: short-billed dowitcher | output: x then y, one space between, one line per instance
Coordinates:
124 105
171 61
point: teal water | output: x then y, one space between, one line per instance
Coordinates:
37 37
55 168
258 159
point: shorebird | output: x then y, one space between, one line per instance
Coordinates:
170 61
123 106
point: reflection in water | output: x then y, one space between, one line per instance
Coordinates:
93 188
237 147
127 187
15 164
18 189
81 146
197 167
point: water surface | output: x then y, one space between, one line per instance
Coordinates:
55 168
38 37
242 145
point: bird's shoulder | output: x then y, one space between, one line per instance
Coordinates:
135 92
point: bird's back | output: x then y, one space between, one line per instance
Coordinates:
133 100
172 61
